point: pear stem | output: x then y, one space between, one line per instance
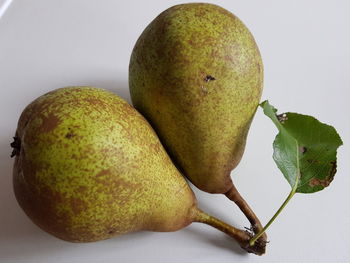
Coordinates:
241 236
256 225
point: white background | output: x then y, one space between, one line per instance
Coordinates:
305 45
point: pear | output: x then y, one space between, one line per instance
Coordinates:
88 167
196 74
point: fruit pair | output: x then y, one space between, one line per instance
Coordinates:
88 166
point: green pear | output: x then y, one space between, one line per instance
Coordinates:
88 167
196 74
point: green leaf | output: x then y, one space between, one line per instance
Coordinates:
305 149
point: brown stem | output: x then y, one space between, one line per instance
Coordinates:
235 196
241 236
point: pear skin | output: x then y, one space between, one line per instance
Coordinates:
196 74
90 167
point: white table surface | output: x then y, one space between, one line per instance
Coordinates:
47 44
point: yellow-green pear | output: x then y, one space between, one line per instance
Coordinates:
88 167
196 74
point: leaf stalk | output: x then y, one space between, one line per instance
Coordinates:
261 232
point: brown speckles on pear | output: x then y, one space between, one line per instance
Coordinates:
49 123
209 78
206 100
78 178
209 69
77 205
102 173
70 134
